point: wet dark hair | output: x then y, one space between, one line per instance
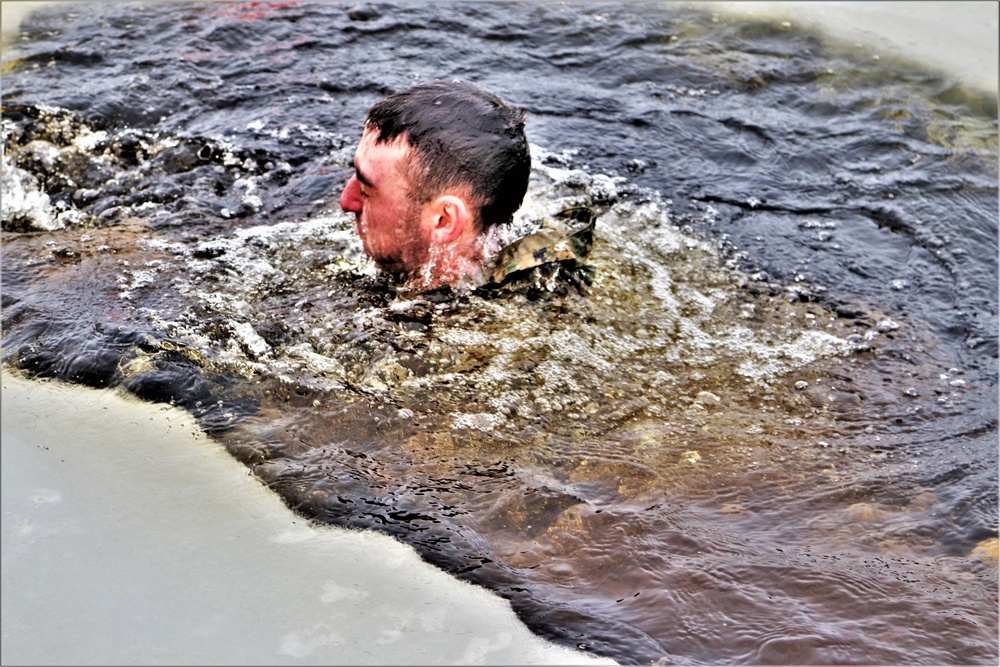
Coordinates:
462 135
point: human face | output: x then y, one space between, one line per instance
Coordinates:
385 216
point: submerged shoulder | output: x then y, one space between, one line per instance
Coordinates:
556 253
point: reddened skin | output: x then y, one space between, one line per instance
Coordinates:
449 219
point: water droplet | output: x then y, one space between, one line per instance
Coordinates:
888 324
708 398
691 456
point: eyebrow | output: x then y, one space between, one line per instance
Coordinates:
361 177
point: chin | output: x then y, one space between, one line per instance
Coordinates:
393 266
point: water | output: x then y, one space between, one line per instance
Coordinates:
765 434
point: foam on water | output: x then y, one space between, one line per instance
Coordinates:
24 202
685 322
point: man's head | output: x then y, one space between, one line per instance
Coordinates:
439 164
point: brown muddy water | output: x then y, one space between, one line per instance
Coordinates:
764 434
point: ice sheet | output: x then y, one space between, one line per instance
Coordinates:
131 538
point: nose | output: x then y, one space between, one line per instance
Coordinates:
350 198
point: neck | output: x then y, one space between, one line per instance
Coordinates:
450 265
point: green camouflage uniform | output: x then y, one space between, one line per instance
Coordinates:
551 248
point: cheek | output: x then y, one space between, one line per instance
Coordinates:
383 217
375 227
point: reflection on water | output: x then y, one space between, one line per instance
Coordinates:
766 433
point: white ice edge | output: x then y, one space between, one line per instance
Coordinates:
131 538
960 38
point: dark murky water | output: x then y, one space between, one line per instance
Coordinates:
765 434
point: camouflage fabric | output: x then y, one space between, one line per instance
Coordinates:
560 244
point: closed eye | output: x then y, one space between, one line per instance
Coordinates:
364 180
362 189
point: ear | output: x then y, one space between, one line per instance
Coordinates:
450 217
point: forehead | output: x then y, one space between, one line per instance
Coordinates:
381 161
